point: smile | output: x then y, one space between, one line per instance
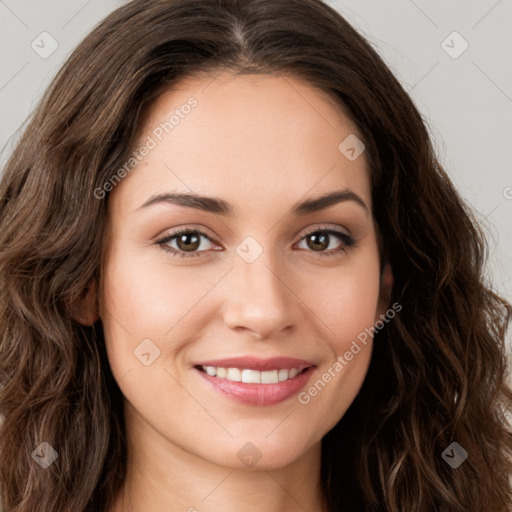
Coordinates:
253 381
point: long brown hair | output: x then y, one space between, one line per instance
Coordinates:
438 370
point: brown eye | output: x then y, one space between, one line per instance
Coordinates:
186 242
318 242
323 241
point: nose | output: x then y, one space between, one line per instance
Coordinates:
259 300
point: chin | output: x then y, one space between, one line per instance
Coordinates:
264 454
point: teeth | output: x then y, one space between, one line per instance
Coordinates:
269 377
292 373
234 374
252 376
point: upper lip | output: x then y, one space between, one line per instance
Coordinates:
255 363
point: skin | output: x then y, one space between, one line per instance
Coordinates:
261 143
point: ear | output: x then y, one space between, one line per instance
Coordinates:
387 277
85 310
386 284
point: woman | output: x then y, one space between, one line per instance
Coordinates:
236 277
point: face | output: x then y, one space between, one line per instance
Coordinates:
200 293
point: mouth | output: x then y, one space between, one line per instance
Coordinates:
257 382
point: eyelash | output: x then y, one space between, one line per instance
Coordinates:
347 240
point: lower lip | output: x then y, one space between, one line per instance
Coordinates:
259 394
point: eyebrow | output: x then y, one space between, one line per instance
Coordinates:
221 207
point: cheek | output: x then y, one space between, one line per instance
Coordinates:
147 299
353 307
143 291
346 307
345 299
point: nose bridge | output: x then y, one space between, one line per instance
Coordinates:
259 299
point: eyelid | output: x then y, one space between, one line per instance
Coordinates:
186 227
326 227
204 231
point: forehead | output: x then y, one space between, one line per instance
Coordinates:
244 138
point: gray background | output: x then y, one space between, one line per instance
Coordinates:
466 100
